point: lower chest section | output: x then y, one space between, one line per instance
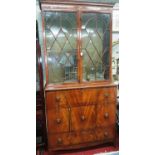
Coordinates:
80 117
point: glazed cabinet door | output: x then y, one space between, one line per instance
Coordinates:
95 48
61 46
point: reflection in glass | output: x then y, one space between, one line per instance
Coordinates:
61 35
95 46
37 76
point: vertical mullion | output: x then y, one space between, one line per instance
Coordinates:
110 52
45 49
79 46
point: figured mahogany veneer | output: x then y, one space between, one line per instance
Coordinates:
61 140
79 116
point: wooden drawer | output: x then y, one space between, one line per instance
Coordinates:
74 97
88 136
90 96
82 137
106 95
65 98
106 114
59 140
72 138
83 118
105 133
80 97
56 99
58 120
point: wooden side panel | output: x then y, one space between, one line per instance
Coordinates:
58 120
50 100
83 118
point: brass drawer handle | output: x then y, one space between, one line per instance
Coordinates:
106 95
105 134
58 120
58 99
106 115
59 141
83 118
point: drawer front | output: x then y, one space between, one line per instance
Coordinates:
59 140
105 133
80 97
83 118
56 99
58 120
74 97
88 136
106 95
105 115
62 140
90 96
73 138
82 137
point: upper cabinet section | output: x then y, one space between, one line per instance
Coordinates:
77 41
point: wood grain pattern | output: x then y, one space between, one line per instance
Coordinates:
81 111
83 118
58 120
59 140
80 116
107 95
67 140
106 114
105 133
56 99
80 97
74 97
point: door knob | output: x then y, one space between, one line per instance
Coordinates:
106 115
58 120
59 141
106 95
83 118
106 134
58 99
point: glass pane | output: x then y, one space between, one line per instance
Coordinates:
95 46
61 46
